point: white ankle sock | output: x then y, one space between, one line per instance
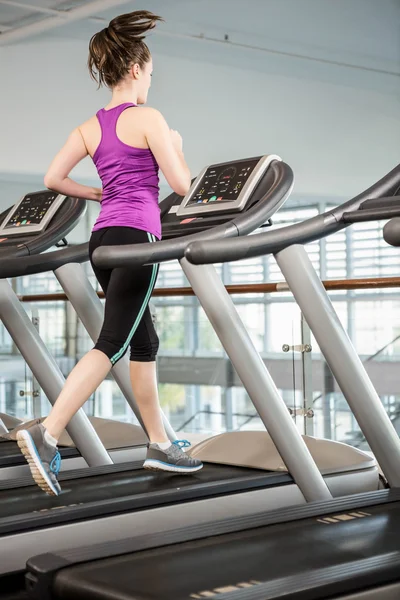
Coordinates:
163 445
49 438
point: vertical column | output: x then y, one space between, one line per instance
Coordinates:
327 399
306 361
36 395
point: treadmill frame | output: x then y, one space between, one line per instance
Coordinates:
24 535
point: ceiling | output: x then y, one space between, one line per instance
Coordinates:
20 19
361 32
16 14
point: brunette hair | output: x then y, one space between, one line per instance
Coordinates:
113 50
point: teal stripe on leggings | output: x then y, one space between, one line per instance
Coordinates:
140 315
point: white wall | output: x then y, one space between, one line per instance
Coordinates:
11 190
338 127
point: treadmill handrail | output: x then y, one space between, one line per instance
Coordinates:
271 242
371 214
388 202
244 223
40 263
162 251
60 227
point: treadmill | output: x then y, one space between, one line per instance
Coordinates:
344 548
100 504
35 223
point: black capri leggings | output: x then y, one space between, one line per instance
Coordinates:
127 319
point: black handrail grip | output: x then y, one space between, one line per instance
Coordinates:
391 232
371 214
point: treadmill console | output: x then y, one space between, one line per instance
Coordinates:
224 187
32 213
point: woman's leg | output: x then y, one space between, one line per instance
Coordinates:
128 292
145 389
39 443
83 380
127 321
89 372
161 454
142 366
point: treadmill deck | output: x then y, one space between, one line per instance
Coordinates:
314 558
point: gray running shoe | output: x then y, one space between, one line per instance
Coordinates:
173 459
43 458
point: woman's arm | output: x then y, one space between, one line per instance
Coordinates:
166 146
69 156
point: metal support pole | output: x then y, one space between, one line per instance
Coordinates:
328 384
3 428
36 394
49 376
227 400
306 363
227 407
89 309
255 377
342 358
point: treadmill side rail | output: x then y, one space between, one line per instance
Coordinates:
38 585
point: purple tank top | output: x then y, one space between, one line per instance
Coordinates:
130 179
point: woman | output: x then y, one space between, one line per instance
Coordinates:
128 145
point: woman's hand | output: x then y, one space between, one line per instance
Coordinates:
177 141
166 146
97 194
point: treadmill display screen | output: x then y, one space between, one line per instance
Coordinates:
31 210
223 183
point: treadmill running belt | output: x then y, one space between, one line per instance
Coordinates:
311 559
123 487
